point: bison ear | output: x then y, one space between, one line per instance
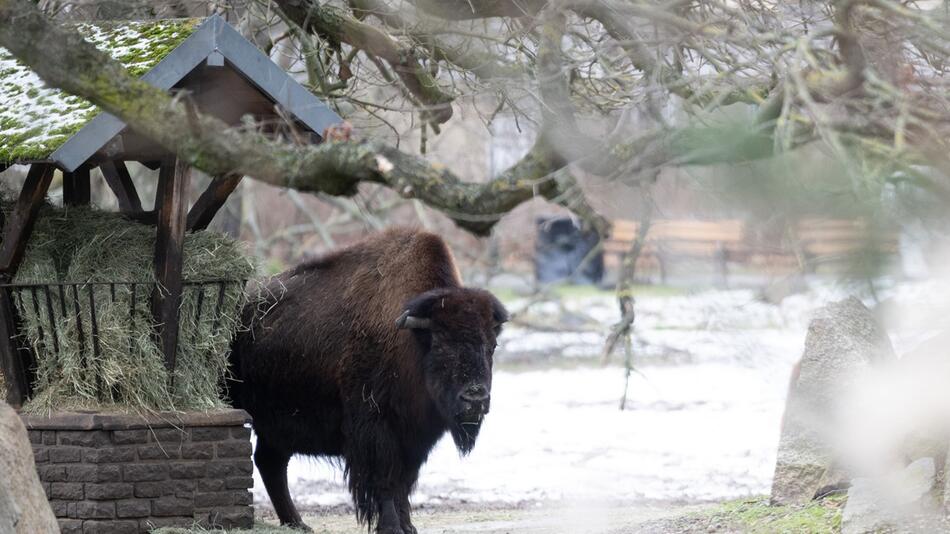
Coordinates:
499 313
412 322
418 311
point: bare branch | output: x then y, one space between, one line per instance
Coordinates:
63 59
479 9
337 26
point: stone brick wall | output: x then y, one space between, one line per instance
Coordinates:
117 474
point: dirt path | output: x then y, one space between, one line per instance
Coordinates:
540 520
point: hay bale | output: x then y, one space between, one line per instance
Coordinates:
88 246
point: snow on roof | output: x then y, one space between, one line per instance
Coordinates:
36 119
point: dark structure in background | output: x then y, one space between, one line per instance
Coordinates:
562 249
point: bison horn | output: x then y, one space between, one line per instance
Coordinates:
409 321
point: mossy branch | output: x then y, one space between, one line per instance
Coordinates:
64 60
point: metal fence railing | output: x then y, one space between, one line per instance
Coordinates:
54 315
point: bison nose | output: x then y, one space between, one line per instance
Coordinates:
474 393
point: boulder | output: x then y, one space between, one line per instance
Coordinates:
926 368
894 502
9 512
23 505
843 339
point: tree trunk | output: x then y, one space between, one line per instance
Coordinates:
23 505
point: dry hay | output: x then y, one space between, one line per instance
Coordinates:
79 244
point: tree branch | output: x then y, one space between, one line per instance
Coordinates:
478 9
483 64
619 26
337 26
64 60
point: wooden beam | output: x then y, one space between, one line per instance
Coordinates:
211 200
12 360
171 203
119 180
15 362
145 217
17 229
76 190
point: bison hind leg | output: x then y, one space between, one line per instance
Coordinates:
272 464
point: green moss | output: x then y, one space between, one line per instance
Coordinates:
56 115
756 516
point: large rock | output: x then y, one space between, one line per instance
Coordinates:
23 505
843 339
893 502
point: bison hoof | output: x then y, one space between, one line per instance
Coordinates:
301 526
390 530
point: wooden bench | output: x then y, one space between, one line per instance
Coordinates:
831 240
811 242
720 241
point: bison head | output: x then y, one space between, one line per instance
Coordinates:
456 330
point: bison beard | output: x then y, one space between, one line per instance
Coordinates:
371 354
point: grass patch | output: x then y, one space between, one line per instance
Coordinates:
756 516
83 245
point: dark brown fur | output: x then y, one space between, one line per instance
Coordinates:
324 370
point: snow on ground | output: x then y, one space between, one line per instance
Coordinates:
702 419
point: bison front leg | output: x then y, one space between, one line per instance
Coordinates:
375 469
272 463
388 518
402 498
403 508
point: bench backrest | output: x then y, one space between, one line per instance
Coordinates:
829 237
701 235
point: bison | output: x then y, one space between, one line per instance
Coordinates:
369 354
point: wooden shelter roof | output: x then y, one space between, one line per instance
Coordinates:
39 123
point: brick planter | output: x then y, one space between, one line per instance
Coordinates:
119 473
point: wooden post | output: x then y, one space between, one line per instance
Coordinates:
721 257
211 200
171 203
76 191
16 363
119 180
663 260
